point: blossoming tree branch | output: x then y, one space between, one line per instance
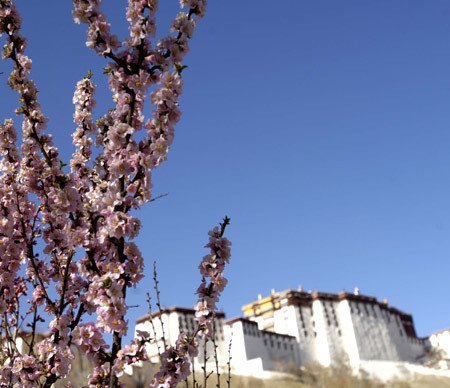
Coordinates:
87 208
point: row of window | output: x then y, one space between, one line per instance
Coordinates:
331 316
305 333
369 309
251 330
188 323
278 345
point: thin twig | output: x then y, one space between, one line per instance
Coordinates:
153 327
158 304
229 361
205 359
215 352
33 330
194 381
159 196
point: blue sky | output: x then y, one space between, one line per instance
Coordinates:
321 128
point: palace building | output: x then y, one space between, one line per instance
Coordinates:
329 326
298 327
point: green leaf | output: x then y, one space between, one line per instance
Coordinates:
179 68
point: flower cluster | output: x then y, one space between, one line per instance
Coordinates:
84 102
16 208
99 36
176 363
176 360
142 25
54 359
211 268
87 209
26 370
90 340
129 354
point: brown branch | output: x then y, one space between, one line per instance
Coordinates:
33 329
159 196
153 327
215 352
65 280
205 359
229 362
158 304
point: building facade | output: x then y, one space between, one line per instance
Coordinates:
167 325
301 328
329 326
258 352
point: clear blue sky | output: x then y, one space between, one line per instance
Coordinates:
320 127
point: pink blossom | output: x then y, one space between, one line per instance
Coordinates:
88 208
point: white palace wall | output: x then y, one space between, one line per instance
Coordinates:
373 337
176 320
254 351
349 343
441 342
305 328
328 326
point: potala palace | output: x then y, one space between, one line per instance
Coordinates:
300 327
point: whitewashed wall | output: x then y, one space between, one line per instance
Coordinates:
174 323
300 327
441 341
